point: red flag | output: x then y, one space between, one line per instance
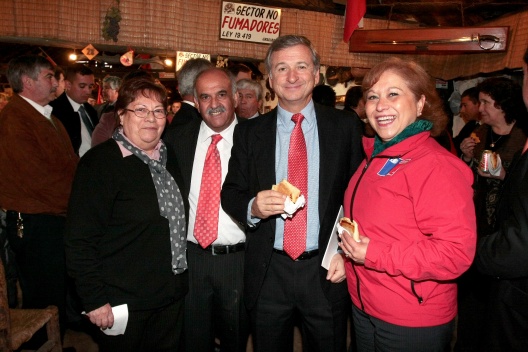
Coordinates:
355 10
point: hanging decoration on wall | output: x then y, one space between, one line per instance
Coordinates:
127 59
427 40
90 51
111 22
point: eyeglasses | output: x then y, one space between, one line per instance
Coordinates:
142 113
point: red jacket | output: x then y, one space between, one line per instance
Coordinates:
420 220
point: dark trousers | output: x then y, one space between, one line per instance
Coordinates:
155 330
375 335
214 304
39 256
294 288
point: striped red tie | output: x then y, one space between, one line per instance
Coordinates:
295 227
206 222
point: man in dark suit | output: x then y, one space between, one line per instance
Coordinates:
278 283
186 76
71 108
216 267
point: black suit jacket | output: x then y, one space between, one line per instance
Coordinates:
504 256
186 114
252 169
63 110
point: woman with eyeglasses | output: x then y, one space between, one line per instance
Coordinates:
125 236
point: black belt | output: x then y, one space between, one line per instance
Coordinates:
215 250
303 256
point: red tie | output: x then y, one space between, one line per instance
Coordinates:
206 222
295 227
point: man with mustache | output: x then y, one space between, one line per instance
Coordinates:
215 243
38 165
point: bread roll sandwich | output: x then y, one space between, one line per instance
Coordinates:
287 189
494 160
474 137
351 227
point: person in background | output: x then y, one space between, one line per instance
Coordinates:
174 107
4 99
186 76
501 105
38 166
412 202
470 114
240 71
503 114
503 255
111 86
250 99
125 234
283 276
324 95
59 76
354 102
72 108
215 302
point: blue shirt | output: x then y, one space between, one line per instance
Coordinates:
285 127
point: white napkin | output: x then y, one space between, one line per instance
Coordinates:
120 321
290 207
497 170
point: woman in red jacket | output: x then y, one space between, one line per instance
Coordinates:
412 201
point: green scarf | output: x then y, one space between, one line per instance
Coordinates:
414 128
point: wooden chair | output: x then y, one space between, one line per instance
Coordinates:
18 325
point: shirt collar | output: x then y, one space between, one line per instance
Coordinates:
227 134
284 116
44 110
75 105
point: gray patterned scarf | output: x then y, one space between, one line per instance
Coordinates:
170 200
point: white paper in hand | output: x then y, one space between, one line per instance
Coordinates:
332 247
120 321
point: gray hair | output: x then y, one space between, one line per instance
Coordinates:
188 73
288 41
228 74
29 65
113 81
253 85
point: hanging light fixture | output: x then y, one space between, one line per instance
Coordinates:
168 62
73 56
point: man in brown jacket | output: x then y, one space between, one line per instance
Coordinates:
37 168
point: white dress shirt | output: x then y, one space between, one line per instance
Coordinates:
229 232
86 138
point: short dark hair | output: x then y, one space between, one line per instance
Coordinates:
324 95
58 72
236 68
352 98
72 70
472 93
507 95
29 65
